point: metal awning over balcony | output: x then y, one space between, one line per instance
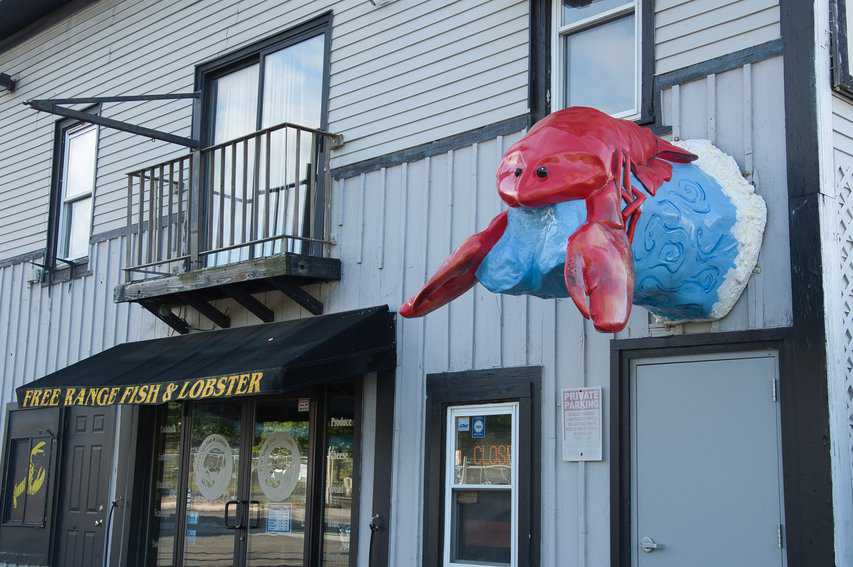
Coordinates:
229 220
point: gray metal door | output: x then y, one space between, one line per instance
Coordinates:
706 465
87 451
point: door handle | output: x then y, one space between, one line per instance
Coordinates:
228 505
648 545
257 504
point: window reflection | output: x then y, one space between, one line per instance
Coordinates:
481 492
281 466
482 527
166 485
337 512
600 66
485 459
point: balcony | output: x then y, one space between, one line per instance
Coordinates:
244 216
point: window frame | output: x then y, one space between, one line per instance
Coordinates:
206 73
57 216
149 447
66 203
450 484
546 52
478 388
842 78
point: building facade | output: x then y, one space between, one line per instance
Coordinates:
319 162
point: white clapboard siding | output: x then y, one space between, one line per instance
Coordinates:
840 335
402 74
691 31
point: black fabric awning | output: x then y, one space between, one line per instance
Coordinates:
261 359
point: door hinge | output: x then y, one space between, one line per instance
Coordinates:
779 537
774 385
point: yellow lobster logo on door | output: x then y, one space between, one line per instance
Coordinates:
34 481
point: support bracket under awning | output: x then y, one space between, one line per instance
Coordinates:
54 106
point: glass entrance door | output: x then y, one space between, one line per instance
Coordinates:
212 518
265 482
278 484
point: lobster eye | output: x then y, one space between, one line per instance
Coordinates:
518 172
541 171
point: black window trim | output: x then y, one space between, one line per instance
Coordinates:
205 73
518 384
842 80
539 74
56 269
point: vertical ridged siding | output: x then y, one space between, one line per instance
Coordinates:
45 328
740 112
692 31
402 74
393 228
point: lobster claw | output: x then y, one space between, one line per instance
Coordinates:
599 274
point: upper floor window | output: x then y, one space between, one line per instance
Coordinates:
77 185
259 187
75 152
597 55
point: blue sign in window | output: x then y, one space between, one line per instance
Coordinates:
478 427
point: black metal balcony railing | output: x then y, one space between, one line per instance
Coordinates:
254 196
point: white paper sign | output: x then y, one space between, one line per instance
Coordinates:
279 519
582 424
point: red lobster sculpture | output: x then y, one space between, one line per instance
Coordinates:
576 153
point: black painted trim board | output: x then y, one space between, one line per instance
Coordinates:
522 384
807 480
539 60
622 354
808 477
429 149
698 71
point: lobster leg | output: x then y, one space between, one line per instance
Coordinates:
599 270
458 273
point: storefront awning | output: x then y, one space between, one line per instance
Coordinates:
261 359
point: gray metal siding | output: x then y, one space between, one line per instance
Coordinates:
691 31
740 111
401 74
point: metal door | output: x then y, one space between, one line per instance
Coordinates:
706 462
87 450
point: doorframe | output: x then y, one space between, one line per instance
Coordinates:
147 446
521 384
802 416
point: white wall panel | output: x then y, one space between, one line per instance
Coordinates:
402 74
840 330
691 31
